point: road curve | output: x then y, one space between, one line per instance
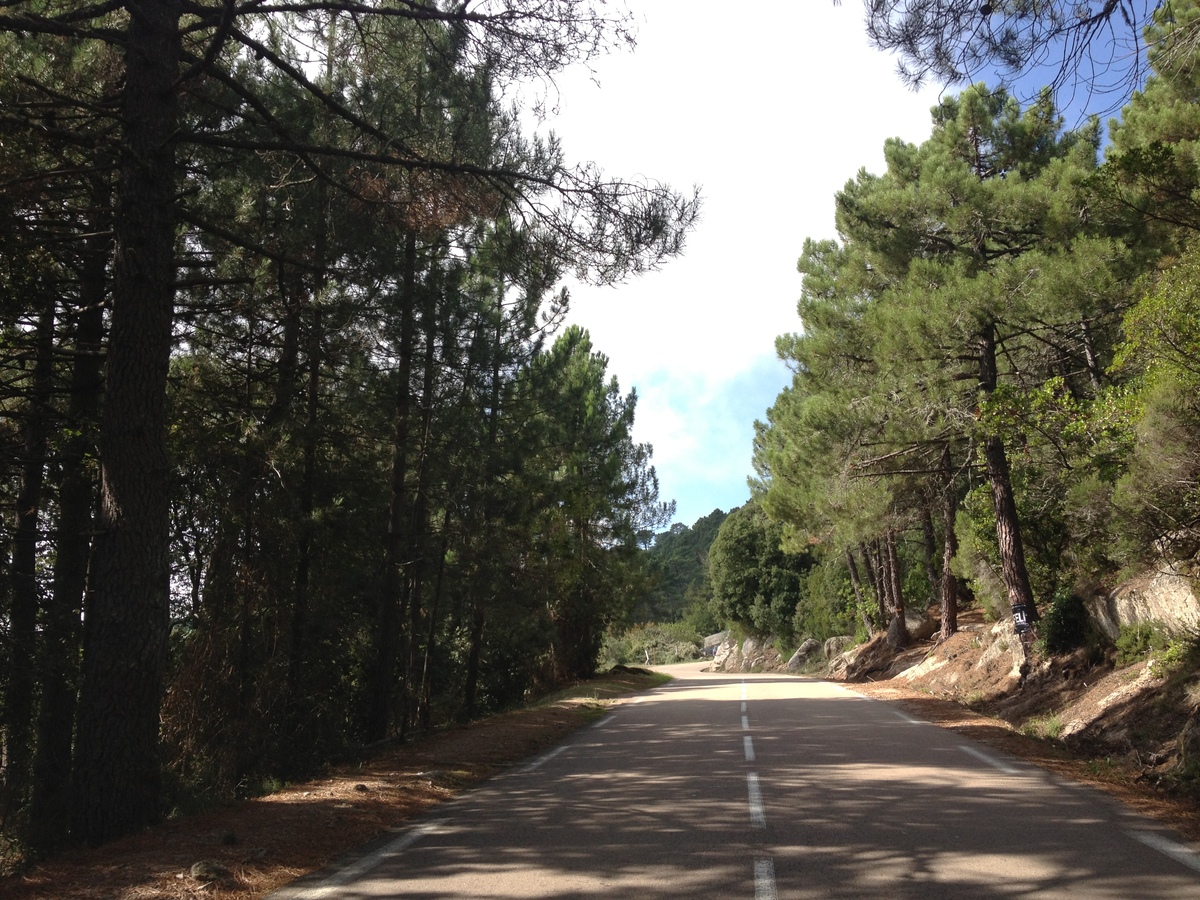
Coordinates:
769 786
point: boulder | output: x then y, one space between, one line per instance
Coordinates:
727 650
873 656
1164 597
838 644
754 655
759 654
804 654
713 641
918 626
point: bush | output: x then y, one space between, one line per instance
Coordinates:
1136 641
1181 654
650 644
1064 624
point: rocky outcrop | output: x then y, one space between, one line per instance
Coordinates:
713 641
1166 597
805 654
918 627
727 650
753 654
873 656
838 644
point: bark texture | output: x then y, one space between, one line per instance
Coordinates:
117 778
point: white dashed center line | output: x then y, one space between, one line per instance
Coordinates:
764 880
758 815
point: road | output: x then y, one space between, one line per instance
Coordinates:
767 786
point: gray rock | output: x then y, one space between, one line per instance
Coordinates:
727 657
918 627
1163 596
921 625
210 870
804 654
837 645
873 656
751 648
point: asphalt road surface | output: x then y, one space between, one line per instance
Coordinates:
766 786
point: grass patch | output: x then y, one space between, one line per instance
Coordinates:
1047 727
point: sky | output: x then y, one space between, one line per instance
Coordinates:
770 109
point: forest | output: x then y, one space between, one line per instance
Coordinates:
994 391
297 456
995 383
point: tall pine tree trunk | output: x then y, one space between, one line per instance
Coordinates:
1008 527
117 778
304 552
929 537
50 810
898 628
949 549
395 575
22 618
873 569
474 658
858 594
419 525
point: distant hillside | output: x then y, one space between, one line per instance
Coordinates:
678 563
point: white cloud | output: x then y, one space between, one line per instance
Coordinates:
770 108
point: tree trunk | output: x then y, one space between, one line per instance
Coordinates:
870 570
1094 368
930 547
424 709
117 778
419 525
22 619
898 630
304 552
387 641
883 583
474 655
50 807
858 594
1008 527
949 549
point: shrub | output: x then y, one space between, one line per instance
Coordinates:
651 644
1182 652
1064 624
1136 641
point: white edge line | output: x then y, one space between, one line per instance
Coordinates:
907 718
758 816
1178 852
543 759
990 760
357 869
764 880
